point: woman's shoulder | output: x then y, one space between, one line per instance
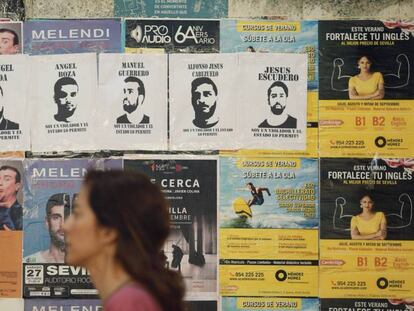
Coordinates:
132 296
353 79
355 218
380 214
377 74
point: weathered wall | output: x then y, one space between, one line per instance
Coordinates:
293 9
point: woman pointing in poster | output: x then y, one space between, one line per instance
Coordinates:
369 224
366 84
116 230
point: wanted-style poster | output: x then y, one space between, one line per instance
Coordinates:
272 94
202 101
14 121
63 92
51 189
190 186
132 110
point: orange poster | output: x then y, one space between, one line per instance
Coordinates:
11 264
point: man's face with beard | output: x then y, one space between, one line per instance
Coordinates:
67 101
277 100
54 223
204 101
132 98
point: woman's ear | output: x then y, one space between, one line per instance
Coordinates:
108 235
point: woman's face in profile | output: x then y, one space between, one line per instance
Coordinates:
84 237
364 64
367 203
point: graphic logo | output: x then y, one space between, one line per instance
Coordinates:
151 34
380 141
281 275
165 34
382 283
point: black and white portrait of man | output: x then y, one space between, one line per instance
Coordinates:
132 101
204 100
277 99
66 96
5 124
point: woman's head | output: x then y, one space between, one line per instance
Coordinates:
364 63
123 210
366 202
124 216
250 186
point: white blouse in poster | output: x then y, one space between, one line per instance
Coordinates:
272 101
202 89
14 120
133 109
63 91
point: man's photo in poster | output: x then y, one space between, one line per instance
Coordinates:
66 91
204 100
133 99
11 211
277 99
10 38
57 208
5 124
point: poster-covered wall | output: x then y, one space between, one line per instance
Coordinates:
366 147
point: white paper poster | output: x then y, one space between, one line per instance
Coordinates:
203 105
132 110
272 101
63 94
12 304
14 121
